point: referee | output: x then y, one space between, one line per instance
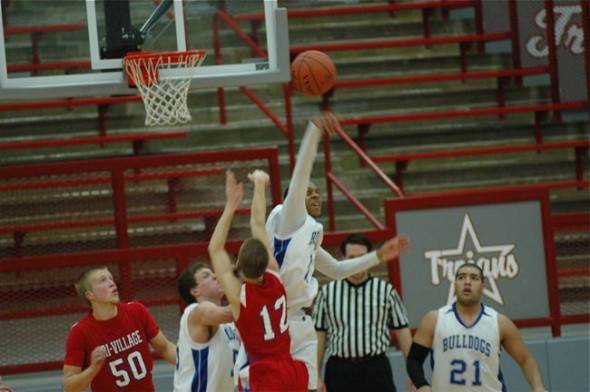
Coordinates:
353 319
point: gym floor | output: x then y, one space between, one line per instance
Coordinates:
163 372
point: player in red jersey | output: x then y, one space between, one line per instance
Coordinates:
258 301
108 349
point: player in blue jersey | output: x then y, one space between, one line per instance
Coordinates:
296 238
465 339
208 341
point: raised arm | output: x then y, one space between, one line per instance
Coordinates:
258 214
219 257
294 211
334 269
515 347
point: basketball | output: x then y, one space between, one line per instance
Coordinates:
313 73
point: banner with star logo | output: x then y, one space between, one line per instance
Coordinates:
502 232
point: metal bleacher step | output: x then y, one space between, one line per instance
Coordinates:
383 100
248 127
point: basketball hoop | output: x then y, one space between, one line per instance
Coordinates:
164 98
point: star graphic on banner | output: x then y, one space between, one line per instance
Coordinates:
468 231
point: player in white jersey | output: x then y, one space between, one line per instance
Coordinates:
296 238
303 244
208 341
466 339
466 356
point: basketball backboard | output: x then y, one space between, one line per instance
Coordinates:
67 48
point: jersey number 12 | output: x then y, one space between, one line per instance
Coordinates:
280 305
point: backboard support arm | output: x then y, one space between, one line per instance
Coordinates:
160 10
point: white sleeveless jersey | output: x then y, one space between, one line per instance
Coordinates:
466 358
296 257
205 366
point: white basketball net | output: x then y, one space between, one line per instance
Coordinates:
165 99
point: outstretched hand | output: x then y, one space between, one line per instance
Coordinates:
393 248
234 190
327 122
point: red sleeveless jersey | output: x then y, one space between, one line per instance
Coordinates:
263 319
264 331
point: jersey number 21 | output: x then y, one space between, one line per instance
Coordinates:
458 369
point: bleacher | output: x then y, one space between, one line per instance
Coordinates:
421 99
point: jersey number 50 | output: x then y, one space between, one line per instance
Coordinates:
136 365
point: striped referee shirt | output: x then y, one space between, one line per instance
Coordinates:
357 319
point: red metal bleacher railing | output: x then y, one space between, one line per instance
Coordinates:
502 76
401 161
35 68
102 104
464 42
36 65
332 180
137 140
37 32
116 180
364 123
539 111
566 224
222 16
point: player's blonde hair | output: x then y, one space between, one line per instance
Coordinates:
83 282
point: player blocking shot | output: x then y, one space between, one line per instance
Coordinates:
296 238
